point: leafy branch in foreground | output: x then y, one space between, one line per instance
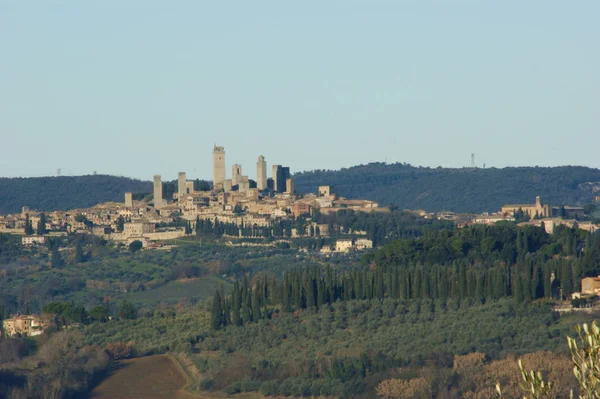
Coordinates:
585 353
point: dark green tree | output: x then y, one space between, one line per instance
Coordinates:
120 224
79 257
41 225
127 310
135 246
216 312
28 227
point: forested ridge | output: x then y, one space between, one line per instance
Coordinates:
458 190
65 192
402 185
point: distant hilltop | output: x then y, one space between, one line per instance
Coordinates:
457 190
65 192
401 185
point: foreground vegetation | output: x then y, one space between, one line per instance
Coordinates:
347 349
442 313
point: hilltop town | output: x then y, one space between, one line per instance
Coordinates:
238 206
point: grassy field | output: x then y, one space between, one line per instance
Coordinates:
198 288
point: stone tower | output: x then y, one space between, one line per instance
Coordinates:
276 173
158 192
289 186
181 184
218 166
236 174
128 200
261 173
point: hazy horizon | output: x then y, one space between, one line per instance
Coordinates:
144 87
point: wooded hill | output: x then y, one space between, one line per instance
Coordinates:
402 185
458 190
65 192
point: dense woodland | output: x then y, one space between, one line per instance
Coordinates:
478 262
458 190
65 192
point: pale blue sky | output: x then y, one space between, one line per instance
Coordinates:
137 88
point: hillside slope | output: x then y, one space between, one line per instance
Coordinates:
403 185
65 192
459 190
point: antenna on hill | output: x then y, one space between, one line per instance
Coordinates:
472 159
58 172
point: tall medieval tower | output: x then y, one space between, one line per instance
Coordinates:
158 192
261 173
181 184
236 174
218 166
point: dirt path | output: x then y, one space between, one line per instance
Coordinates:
152 377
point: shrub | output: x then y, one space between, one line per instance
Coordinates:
207 384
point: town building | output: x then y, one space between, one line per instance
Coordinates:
532 210
345 245
218 166
136 229
324 191
33 240
23 325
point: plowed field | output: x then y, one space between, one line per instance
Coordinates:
152 377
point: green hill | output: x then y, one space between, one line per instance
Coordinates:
402 185
65 192
458 190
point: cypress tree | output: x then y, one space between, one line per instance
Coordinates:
236 304
256 315
417 283
41 225
226 313
320 294
216 313
566 281
246 315
285 294
518 289
311 294
55 258
78 253
28 226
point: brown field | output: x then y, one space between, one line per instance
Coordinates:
152 377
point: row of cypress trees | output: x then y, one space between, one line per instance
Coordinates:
315 287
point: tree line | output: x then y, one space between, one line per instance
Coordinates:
479 262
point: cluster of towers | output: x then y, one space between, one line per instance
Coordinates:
280 182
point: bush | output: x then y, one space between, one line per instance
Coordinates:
120 350
207 384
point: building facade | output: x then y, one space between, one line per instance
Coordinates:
532 210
